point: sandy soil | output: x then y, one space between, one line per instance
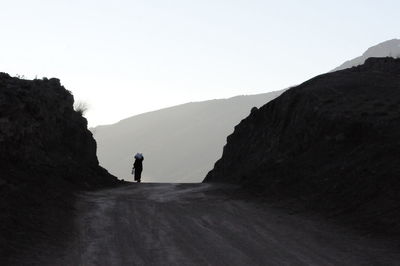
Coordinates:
198 224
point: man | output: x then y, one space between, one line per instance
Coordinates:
138 166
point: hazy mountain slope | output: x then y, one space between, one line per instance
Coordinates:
331 143
180 144
389 48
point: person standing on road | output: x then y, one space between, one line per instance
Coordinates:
138 167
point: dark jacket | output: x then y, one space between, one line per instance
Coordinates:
138 165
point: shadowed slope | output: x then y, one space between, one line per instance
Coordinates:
46 153
331 143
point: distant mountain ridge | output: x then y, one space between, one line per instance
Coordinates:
180 143
390 48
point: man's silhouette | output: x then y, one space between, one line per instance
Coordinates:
138 166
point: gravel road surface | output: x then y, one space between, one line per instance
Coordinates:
200 224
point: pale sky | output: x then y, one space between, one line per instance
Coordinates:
128 57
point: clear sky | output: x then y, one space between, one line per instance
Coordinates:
129 57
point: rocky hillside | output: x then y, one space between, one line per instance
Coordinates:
46 153
390 48
180 143
331 144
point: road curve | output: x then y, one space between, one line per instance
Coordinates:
199 224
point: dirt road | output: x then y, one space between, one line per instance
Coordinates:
197 224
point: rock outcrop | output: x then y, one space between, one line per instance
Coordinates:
46 153
331 144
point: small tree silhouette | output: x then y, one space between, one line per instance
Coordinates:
81 107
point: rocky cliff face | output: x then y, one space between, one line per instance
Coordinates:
40 129
331 144
46 153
